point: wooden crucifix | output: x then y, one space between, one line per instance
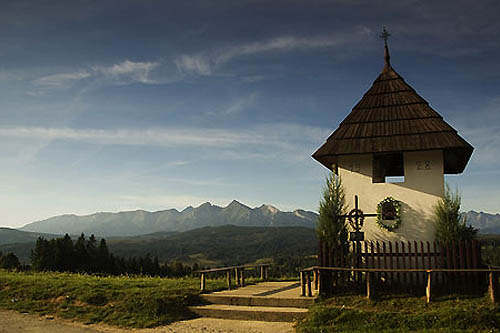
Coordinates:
356 218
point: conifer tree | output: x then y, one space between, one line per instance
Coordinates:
331 228
448 222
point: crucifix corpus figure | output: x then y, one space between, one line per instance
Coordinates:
356 218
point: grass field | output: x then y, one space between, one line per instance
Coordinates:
122 301
402 314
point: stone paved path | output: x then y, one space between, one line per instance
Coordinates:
14 322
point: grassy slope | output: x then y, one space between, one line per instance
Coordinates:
123 301
402 314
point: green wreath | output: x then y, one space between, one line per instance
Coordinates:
397 206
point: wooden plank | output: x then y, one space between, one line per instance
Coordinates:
242 273
367 264
404 263
237 277
492 277
475 259
396 250
422 252
437 260
228 278
369 294
428 289
454 251
202 282
461 254
342 263
415 258
384 254
410 275
391 258
302 283
308 282
468 254
429 263
372 255
378 260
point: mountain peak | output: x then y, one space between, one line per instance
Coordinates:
269 208
236 203
205 205
141 222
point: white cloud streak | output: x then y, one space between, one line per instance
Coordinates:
121 73
62 78
286 136
205 62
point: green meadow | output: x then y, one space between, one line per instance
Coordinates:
402 313
122 301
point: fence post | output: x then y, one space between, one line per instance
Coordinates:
315 278
428 290
302 284
237 276
242 273
202 282
308 281
369 294
228 276
493 286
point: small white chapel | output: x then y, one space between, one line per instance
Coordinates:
392 152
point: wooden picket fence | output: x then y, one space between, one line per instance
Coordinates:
410 256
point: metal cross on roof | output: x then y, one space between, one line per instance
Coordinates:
385 35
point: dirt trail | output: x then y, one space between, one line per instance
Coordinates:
14 322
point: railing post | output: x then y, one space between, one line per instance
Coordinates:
228 275
302 284
428 290
242 274
308 281
237 276
493 286
369 292
316 282
202 283
266 276
262 272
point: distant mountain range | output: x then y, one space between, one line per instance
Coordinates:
223 245
485 222
133 223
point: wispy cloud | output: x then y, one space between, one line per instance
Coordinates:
288 43
205 62
125 72
285 136
129 71
193 64
62 78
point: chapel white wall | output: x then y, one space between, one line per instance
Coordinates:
419 193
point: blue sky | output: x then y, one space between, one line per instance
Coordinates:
123 105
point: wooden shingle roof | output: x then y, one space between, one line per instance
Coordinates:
391 117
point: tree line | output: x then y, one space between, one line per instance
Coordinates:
9 261
90 256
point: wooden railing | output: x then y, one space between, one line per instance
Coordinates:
239 274
320 272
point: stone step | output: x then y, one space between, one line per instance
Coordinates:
240 312
298 302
